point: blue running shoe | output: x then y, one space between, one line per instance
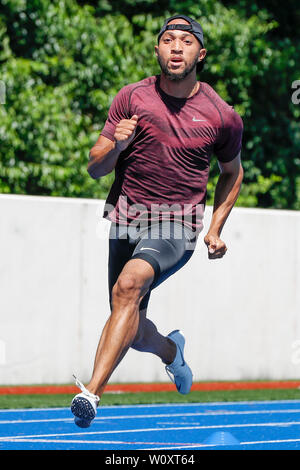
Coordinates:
182 374
84 406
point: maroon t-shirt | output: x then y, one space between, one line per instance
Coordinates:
163 173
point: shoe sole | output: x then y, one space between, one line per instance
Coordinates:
83 411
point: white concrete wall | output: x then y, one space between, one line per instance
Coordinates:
240 314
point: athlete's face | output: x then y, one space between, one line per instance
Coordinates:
178 52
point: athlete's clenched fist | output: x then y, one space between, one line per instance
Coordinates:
125 132
216 246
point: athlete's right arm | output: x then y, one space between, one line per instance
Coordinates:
104 154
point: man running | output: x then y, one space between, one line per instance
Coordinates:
160 136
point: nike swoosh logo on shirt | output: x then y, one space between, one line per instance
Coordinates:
198 120
153 249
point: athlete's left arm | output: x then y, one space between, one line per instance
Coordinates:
226 194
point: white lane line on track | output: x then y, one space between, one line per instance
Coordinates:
161 415
270 442
279 441
77 441
162 447
181 428
161 405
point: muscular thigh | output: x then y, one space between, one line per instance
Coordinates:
167 247
122 266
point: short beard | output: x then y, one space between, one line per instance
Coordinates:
176 77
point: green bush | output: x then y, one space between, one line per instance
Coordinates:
63 62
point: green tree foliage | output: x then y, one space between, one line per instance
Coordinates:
63 61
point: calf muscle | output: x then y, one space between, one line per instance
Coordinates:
122 326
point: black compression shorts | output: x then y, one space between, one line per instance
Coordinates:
167 246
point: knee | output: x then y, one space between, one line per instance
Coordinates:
126 288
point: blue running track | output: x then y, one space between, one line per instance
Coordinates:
235 425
